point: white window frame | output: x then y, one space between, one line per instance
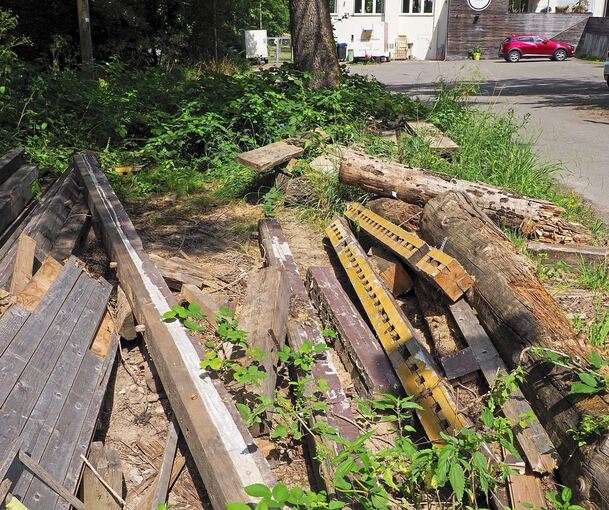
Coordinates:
335 11
422 4
363 8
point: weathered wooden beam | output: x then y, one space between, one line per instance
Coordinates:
573 255
10 162
123 316
24 264
303 325
15 193
40 283
432 264
534 217
107 463
222 448
433 136
534 440
163 480
264 318
272 155
401 213
73 233
391 271
176 274
359 350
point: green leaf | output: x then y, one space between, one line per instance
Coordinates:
335 505
193 326
280 493
588 379
595 360
457 479
583 388
344 468
237 506
566 494
169 315
258 490
262 505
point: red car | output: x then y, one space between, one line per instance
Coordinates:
514 48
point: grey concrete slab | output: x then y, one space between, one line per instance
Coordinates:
568 105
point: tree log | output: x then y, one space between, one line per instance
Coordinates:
515 309
533 217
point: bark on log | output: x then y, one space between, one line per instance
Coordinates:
517 312
535 218
401 213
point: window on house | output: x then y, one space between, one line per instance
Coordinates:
417 6
369 6
333 5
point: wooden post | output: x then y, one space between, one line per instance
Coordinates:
222 447
84 27
24 264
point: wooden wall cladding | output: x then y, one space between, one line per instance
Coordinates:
595 39
468 28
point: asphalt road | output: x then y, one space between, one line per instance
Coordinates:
568 104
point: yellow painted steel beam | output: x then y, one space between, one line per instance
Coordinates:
435 265
411 361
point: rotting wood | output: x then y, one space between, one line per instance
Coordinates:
535 218
391 271
517 312
163 480
303 325
123 316
175 276
572 255
15 193
219 442
209 307
103 339
358 348
107 463
73 232
437 140
436 266
412 363
534 440
401 213
525 491
264 318
459 364
272 155
39 285
24 264
10 162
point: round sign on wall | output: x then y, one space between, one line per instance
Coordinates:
478 5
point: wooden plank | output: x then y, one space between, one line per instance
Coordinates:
174 275
219 442
39 285
436 139
72 478
573 255
10 162
459 364
108 464
73 232
268 157
15 193
103 338
264 318
123 316
359 350
304 325
161 487
393 274
24 264
50 404
9 458
526 490
534 440
10 323
208 305
176 469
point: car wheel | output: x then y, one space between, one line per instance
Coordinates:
513 56
560 55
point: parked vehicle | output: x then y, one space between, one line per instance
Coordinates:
515 47
606 69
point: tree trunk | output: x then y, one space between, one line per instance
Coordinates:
313 42
515 309
533 217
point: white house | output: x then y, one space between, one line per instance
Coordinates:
422 22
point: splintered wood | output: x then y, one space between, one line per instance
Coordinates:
272 155
436 139
439 268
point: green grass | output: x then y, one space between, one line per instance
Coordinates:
593 276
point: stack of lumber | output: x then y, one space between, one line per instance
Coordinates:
57 349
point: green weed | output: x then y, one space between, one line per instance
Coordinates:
593 276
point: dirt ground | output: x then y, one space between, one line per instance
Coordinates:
223 241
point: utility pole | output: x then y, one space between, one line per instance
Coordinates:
84 27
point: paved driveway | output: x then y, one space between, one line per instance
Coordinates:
568 104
